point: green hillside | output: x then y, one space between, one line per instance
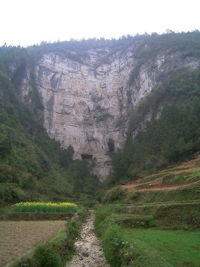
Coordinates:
148 214
33 167
169 135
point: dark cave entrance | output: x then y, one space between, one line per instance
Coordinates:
111 145
86 156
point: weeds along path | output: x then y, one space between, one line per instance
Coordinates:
89 252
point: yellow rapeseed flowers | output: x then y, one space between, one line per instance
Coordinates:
44 207
50 204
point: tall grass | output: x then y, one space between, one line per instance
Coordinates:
44 207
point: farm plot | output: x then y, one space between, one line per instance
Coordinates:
18 237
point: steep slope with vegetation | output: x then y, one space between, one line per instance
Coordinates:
143 92
32 166
164 128
153 218
86 90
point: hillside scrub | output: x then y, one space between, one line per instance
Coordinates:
165 139
32 166
115 194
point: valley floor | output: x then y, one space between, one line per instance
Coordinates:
89 252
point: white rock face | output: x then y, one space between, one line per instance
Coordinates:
87 104
84 105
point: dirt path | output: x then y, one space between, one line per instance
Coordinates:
156 183
18 237
89 252
167 187
130 188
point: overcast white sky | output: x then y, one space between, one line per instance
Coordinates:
26 22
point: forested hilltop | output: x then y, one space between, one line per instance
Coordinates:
163 127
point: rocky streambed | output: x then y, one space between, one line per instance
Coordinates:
89 252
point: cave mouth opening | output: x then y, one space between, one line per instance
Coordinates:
111 145
86 156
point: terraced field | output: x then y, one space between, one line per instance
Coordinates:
19 237
179 177
154 221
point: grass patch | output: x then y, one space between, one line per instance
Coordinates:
114 194
4 210
188 193
131 220
47 256
186 177
170 215
179 248
122 251
150 177
127 245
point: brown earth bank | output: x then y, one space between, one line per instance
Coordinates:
153 187
17 238
32 216
156 184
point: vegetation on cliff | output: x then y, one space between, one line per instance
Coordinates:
164 128
32 166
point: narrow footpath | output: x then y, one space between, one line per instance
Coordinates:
89 252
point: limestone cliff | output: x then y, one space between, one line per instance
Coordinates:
87 102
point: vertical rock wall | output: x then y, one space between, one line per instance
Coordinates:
87 103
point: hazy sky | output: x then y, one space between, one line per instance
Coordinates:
26 22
